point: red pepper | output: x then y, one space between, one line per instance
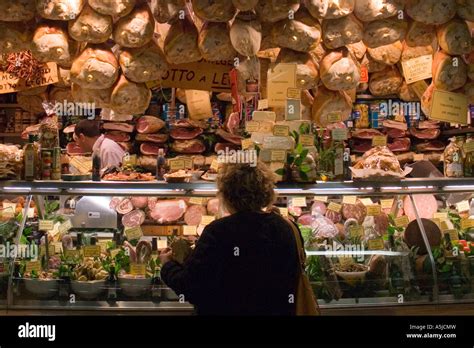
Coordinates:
462 242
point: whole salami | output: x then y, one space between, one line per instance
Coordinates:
194 214
318 207
139 202
114 202
381 223
124 207
134 218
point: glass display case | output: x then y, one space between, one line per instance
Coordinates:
368 243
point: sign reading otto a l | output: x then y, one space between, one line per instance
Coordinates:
10 83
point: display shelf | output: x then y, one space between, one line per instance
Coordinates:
458 131
203 188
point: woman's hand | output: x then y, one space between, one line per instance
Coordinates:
166 256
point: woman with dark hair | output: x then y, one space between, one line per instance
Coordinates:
245 263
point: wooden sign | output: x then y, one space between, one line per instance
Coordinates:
10 83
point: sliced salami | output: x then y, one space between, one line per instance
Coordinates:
114 202
335 217
124 207
356 211
194 214
426 205
133 219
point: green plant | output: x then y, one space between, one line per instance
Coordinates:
296 160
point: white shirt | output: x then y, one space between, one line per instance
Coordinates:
111 154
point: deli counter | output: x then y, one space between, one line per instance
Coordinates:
370 245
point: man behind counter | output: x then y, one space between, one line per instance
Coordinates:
87 135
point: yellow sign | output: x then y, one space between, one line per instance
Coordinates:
402 221
373 210
323 199
252 126
130 160
8 209
215 165
247 144
10 83
376 244
281 77
33 266
72 253
278 156
345 260
298 201
467 223
65 226
133 233
176 164
349 199
449 107
51 249
335 207
92 251
453 235
437 222
58 247
207 219
379 140
463 206
444 225
262 104
417 69
294 93
103 245
189 230
386 203
162 244
334 117
46 225
114 252
281 130
138 269
418 157
197 200
469 147
306 140
441 216
356 231
283 212
202 75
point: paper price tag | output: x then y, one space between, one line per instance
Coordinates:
306 140
339 134
247 144
176 164
467 223
252 126
162 244
386 203
33 266
449 107
188 163
323 199
72 253
366 201
334 117
134 233
114 252
379 140
189 230
31 213
417 69
349 199
58 247
441 216
298 201
91 251
51 250
9 209
281 130
262 104
376 244
418 157
444 225
293 93
207 219
335 207
278 156
103 245
402 221
46 225
463 206
356 231
373 210
345 260
65 226
215 165
283 212
138 269
364 74
197 200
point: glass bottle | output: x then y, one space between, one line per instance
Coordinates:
347 163
30 159
160 165
468 166
96 166
453 160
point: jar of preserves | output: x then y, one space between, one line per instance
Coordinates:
453 158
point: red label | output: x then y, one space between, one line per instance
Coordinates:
364 74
